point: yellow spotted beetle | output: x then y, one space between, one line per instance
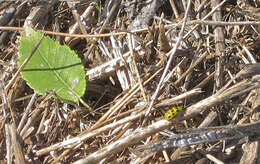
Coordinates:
172 112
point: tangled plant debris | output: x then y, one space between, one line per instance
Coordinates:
196 62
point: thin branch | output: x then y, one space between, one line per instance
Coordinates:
173 51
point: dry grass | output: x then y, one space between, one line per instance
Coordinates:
141 60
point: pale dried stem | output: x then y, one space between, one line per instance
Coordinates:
220 47
171 101
26 113
249 54
174 9
125 142
74 28
26 131
109 66
201 58
88 134
130 42
238 89
173 51
7 87
125 76
38 13
251 150
123 101
17 146
204 18
125 32
6 112
206 80
77 17
214 159
202 5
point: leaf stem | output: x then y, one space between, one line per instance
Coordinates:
86 105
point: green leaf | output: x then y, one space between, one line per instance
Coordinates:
53 67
